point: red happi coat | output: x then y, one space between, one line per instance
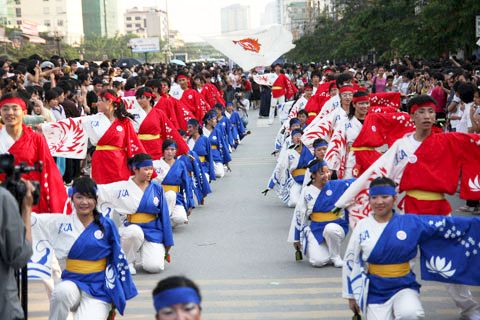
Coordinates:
111 165
316 102
195 102
157 123
166 106
437 165
31 148
182 111
218 95
282 86
381 126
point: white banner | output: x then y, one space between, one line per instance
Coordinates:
265 79
66 138
252 48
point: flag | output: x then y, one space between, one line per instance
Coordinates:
252 48
66 138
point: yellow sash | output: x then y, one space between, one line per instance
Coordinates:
311 114
361 148
425 195
389 270
167 187
141 217
86 266
214 147
323 216
299 172
202 158
148 136
277 88
107 147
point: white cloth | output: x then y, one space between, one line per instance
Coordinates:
219 169
68 297
321 254
6 141
162 168
466 120
178 215
273 105
404 305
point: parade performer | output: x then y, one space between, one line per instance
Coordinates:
208 90
30 148
146 233
282 89
178 298
318 232
226 127
319 150
182 111
162 102
340 154
323 93
238 129
192 98
198 179
156 126
200 143
217 141
289 173
284 139
87 245
173 175
377 274
112 132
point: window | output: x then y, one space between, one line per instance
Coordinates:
17 2
129 25
46 23
18 12
60 23
19 22
138 18
46 10
138 25
129 18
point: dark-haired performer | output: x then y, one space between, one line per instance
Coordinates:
177 297
200 143
192 98
156 126
112 132
87 245
30 147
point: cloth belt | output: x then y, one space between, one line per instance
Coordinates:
425 195
389 270
361 148
109 148
312 114
214 147
202 158
323 216
86 266
167 187
277 88
148 136
141 217
299 172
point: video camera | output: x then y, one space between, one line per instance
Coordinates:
13 173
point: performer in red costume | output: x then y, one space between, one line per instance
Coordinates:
161 102
193 99
208 90
156 127
182 111
30 147
282 89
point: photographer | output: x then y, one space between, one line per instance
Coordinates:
15 249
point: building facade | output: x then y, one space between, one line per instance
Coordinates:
235 17
147 22
101 17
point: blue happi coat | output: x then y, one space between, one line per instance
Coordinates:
226 126
178 176
305 157
113 285
217 138
154 202
203 148
198 180
237 125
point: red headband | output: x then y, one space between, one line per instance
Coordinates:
347 89
111 97
14 100
361 99
150 95
308 88
427 104
182 77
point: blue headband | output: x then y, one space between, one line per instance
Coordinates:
295 121
296 131
192 122
172 145
71 191
319 144
382 191
142 164
210 115
317 166
174 296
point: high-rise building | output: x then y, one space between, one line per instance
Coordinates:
147 22
235 17
101 17
271 15
60 18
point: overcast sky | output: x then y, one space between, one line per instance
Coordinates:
200 17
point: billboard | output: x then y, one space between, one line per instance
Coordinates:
145 44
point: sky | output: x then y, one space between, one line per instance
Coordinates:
200 17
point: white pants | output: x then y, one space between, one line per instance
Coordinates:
67 297
295 192
178 215
404 305
219 169
321 254
464 300
273 105
150 255
56 276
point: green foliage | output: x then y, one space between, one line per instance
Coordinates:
390 28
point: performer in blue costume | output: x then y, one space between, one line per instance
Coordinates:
200 143
219 146
225 126
318 231
176 182
146 232
238 129
198 179
95 269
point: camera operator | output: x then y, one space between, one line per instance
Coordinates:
15 249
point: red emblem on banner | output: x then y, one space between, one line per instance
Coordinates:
249 44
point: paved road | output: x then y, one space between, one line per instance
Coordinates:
235 248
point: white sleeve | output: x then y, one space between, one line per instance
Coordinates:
352 254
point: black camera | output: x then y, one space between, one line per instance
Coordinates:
13 173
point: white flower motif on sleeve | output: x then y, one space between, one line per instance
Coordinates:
110 277
439 265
